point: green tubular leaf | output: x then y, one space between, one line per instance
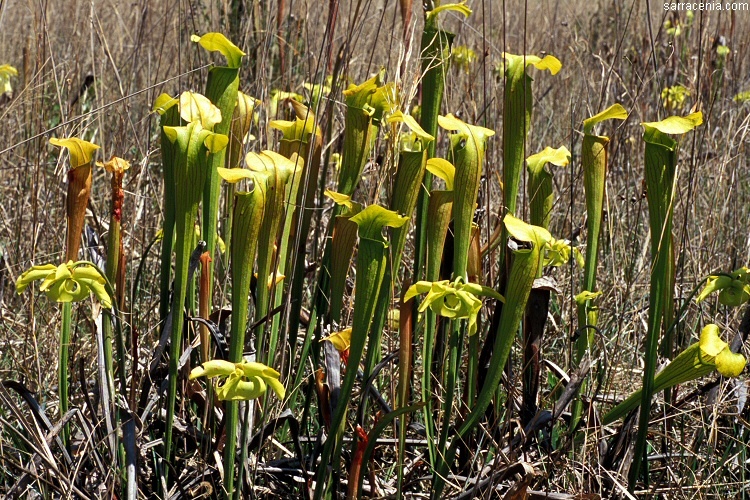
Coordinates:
660 172
216 42
435 51
222 90
440 212
280 171
293 205
540 182
365 106
517 118
699 359
247 220
191 169
468 146
169 113
411 168
342 247
308 148
242 121
371 263
594 159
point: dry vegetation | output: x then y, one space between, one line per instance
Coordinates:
95 68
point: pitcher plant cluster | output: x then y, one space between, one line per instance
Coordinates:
314 335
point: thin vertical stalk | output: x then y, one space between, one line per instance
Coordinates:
62 372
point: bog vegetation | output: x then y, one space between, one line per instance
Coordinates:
373 249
